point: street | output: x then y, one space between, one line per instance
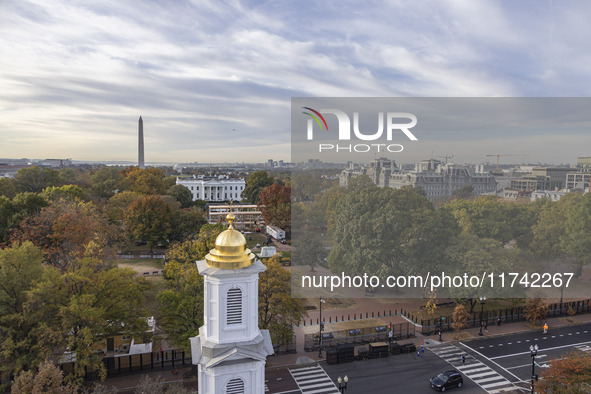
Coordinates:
510 354
495 364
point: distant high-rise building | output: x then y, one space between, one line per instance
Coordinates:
140 155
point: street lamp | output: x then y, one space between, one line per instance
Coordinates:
343 383
533 349
482 302
321 328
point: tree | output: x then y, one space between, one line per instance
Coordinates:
463 193
306 186
21 269
12 212
67 192
7 188
490 217
278 311
388 232
86 304
571 373
275 204
105 181
308 250
49 379
117 205
469 255
182 194
535 309
149 219
186 223
255 183
460 318
145 181
181 303
34 179
64 229
577 240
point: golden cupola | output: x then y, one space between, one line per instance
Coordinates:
230 249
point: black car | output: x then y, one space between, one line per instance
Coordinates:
446 380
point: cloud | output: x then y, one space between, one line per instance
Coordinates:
79 71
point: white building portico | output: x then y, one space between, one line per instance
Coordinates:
222 188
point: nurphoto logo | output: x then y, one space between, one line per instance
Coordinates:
393 124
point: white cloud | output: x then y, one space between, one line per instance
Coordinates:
73 71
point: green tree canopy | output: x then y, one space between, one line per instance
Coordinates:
105 181
66 192
182 194
278 311
149 219
255 183
34 179
7 187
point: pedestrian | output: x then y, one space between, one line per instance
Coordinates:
545 328
390 336
418 354
499 321
463 358
486 325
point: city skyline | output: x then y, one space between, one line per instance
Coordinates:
75 77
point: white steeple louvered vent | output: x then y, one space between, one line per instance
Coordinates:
234 309
235 386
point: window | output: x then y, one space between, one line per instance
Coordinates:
235 386
234 306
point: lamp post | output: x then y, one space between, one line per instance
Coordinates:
533 349
482 302
321 328
343 383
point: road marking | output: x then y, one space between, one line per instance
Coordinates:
495 363
539 350
481 374
312 380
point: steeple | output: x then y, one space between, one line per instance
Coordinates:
140 155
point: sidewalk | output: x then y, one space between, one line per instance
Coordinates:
301 356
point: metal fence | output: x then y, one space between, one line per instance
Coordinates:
351 317
358 336
507 315
132 363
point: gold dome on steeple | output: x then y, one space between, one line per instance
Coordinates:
230 249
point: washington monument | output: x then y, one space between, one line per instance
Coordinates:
140 153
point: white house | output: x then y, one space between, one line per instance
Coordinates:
222 188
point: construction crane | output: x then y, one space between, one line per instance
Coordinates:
446 157
507 154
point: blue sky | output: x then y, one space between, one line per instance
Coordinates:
213 79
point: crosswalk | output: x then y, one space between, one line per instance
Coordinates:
482 375
313 380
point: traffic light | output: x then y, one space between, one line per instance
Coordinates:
321 326
389 327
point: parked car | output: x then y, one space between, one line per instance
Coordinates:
446 380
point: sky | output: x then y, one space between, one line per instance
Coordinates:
213 80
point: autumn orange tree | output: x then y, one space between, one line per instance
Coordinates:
460 318
536 309
63 230
145 181
275 203
569 374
